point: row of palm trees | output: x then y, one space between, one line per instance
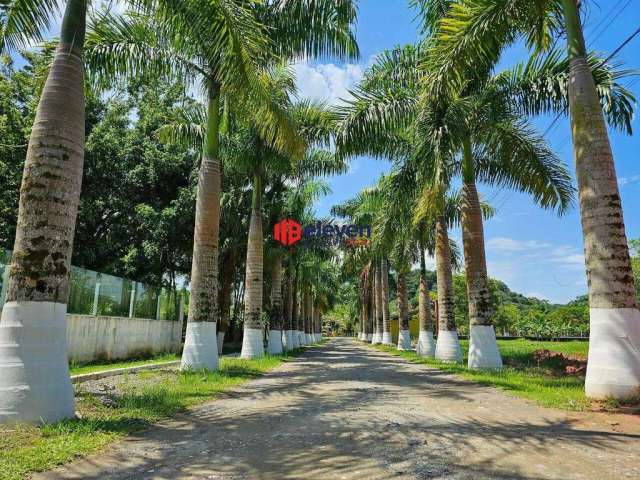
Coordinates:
437 109
440 111
232 50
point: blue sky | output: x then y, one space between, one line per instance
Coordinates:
534 251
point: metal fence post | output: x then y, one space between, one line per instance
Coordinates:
96 297
133 299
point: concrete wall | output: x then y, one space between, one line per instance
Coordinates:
92 338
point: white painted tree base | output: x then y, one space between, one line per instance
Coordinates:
252 344
220 342
483 348
377 339
301 338
309 339
369 337
386 338
287 340
448 347
200 347
613 369
404 340
35 386
274 342
426 344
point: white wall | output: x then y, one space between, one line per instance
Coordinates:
92 338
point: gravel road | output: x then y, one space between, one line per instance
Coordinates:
346 411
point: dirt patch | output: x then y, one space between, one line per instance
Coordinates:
559 363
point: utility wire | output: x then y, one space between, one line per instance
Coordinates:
610 22
613 54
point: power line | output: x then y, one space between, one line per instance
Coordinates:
622 45
610 22
613 54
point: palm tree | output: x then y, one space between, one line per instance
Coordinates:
315 126
170 42
275 312
34 374
471 37
494 144
287 327
426 345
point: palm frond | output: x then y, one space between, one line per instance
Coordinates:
24 21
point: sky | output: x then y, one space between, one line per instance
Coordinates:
533 251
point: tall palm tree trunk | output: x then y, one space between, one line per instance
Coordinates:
252 342
426 345
295 317
316 316
287 338
613 369
306 303
447 346
378 302
303 313
224 296
274 343
404 337
309 323
201 343
34 374
371 326
483 348
386 317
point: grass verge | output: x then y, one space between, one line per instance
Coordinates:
521 376
152 396
79 369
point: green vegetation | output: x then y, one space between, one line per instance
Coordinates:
25 449
521 376
99 366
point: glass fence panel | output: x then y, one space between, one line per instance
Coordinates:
5 260
169 305
93 293
82 291
114 297
146 301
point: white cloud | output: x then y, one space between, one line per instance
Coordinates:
538 295
326 81
547 271
622 181
512 245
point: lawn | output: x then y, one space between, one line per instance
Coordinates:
146 397
79 369
522 376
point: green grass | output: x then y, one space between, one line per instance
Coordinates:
25 449
79 369
521 377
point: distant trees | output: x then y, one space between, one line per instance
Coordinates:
139 226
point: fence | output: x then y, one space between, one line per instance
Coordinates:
115 318
98 294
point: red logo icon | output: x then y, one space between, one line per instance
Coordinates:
287 231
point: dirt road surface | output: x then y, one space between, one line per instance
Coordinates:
346 411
